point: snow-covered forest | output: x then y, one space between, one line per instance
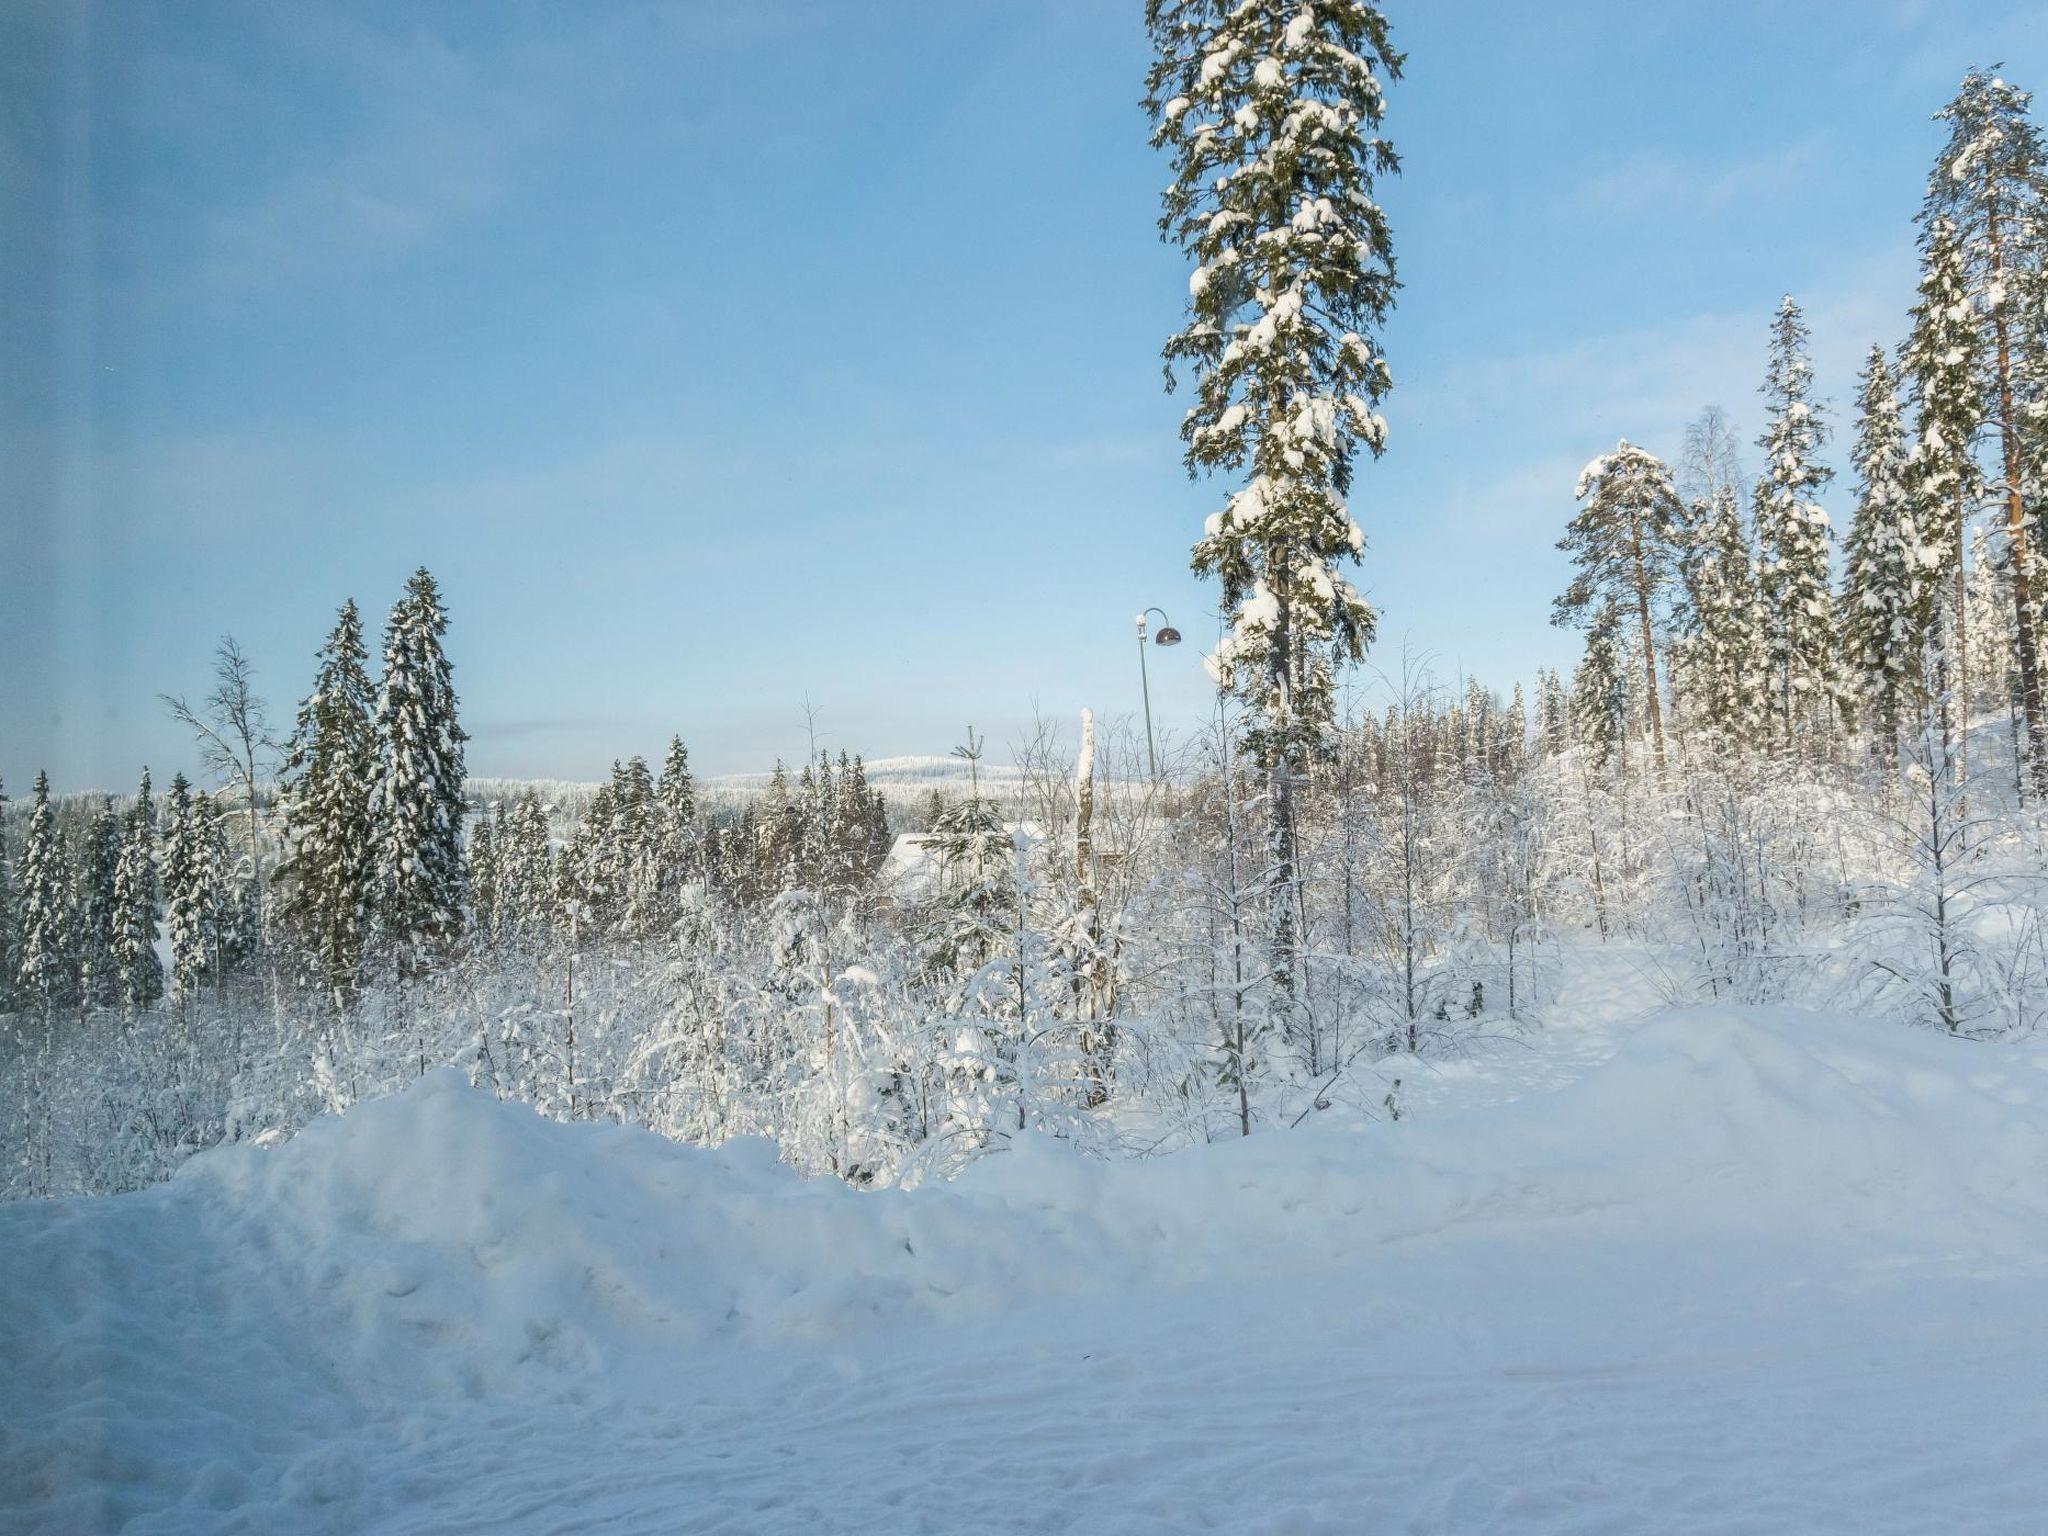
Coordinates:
1798 777
1800 773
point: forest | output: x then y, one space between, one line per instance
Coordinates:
1796 772
1366 1096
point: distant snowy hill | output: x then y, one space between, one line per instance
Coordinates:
905 782
901 778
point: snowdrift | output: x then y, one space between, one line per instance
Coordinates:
442 1245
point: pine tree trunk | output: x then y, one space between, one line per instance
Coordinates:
2016 531
1281 760
1649 661
1961 664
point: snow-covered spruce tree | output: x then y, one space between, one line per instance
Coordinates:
1600 688
631 850
1793 529
1728 657
582 877
1883 598
235 933
191 901
678 856
1271 111
322 888
416 803
10 918
136 906
93 899
1624 543
972 924
45 970
526 874
1942 361
483 873
1988 185
1553 714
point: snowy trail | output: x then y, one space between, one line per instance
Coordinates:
1139 1417
1642 1270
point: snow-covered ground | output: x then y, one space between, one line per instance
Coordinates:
1645 1270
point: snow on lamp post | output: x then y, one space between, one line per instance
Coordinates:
1167 635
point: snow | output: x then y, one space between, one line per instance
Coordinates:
1677 1269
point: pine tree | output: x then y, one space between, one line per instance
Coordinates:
45 971
323 887
1883 600
94 902
1624 542
1271 111
1793 529
136 906
1988 187
416 803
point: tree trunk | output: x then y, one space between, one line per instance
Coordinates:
1649 645
1961 665
1282 752
2016 530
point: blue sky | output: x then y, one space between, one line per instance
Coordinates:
716 356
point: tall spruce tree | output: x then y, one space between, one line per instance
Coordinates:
1987 185
1599 702
95 901
233 935
632 848
416 802
1730 659
1625 542
1883 598
136 906
324 885
45 970
1271 111
484 873
526 873
192 894
10 917
1793 529
678 856
1943 359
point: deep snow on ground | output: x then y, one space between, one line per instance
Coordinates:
1699 1269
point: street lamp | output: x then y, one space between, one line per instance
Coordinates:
1167 635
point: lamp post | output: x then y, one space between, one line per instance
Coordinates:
1167 635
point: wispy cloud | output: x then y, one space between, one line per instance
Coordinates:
1647 381
421 139
1654 184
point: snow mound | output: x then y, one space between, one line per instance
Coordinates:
441 1245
